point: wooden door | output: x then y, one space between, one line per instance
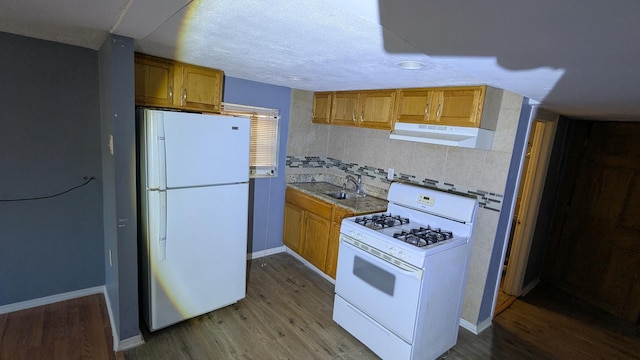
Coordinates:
316 238
322 107
293 226
200 88
376 109
458 106
414 105
344 110
596 252
153 81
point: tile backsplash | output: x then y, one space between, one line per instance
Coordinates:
314 168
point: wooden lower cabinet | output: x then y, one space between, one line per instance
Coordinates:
293 221
307 221
331 264
312 229
315 238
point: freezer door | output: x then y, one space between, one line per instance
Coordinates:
185 149
199 265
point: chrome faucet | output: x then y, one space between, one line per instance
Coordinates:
357 183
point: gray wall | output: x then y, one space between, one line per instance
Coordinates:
49 141
120 227
266 194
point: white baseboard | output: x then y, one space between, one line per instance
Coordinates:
120 345
23 305
475 329
530 286
114 333
130 343
309 265
263 253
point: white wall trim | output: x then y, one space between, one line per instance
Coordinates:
310 265
120 345
475 329
23 305
533 283
114 333
130 343
267 252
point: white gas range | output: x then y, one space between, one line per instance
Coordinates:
401 274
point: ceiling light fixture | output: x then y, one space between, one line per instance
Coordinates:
411 65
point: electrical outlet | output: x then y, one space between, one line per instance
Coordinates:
390 174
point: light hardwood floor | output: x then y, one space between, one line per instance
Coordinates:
287 315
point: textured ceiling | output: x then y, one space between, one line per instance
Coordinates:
577 57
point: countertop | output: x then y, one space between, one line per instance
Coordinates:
356 204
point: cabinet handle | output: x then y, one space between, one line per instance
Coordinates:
184 97
438 111
171 93
353 116
426 110
362 116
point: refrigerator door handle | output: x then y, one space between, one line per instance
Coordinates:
162 156
162 231
156 152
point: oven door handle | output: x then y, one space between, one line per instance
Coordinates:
398 265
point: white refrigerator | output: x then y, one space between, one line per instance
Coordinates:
194 195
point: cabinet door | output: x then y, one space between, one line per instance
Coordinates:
315 240
414 105
200 88
153 81
376 109
344 110
293 227
322 107
459 106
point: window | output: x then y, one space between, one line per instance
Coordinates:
264 137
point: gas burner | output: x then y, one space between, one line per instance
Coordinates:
423 236
381 221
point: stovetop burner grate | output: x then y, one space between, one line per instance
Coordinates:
381 221
423 236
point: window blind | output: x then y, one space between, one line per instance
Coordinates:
263 152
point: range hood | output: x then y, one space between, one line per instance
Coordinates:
469 137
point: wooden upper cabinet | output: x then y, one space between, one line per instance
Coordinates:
376 108
171 84
368 108
344 109
414 105
200 88
153 81
459 106
322 107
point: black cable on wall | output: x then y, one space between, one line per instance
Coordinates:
87 180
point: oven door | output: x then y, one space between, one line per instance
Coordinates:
386 292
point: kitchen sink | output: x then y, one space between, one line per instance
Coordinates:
340 195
